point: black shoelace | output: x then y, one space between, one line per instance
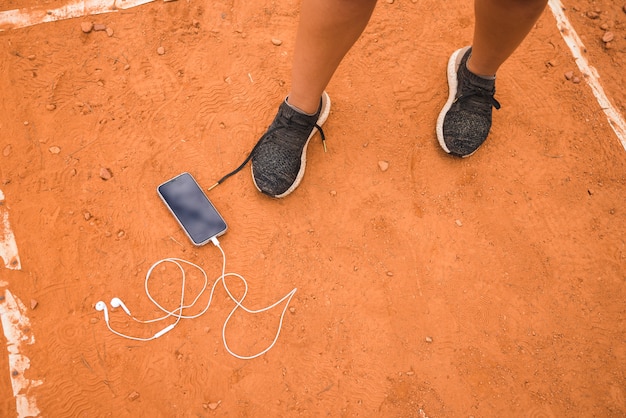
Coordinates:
249 157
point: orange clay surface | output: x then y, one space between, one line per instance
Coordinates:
492 286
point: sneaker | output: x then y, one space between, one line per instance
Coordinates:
465 120
279 158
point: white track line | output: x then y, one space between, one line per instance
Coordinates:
15 323
8 247
29 16
589 72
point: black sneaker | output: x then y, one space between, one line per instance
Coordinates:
279 158
465 120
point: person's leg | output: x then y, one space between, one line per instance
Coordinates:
326 32
501 25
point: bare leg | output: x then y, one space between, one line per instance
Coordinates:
326 32
501 25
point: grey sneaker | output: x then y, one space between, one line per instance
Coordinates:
279 158
465 120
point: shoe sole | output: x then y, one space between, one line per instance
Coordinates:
324 112
453 85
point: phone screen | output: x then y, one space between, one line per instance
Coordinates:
193 210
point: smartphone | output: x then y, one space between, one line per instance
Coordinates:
192 209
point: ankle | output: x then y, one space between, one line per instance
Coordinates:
487 75
309 108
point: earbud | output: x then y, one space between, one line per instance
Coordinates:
101 306
117 303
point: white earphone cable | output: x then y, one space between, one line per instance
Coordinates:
178 312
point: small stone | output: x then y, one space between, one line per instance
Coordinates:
608 37
590 192
7 150
292 309
593 15
160 50
51 106
54 150
87 215
25 123
133 396
410 373
94 320
32 57
576 80
568 75
109 32
99 27
604 26
120 233
277 42
213 405
86 27
458 222
428 339
195 23
390 1
105 173
33 304
333 193
389 273
383 165
127 67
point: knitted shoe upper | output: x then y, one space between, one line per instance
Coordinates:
468 121
279 157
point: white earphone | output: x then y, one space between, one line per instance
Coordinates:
117 303
182 306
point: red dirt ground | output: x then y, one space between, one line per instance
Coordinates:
491 286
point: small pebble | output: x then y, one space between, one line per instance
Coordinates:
51 106
593 15
213 405
109 31
87 215
277 42
99 27
389 273
105 173
410 373
383 165
93 320
25 123
33 304
54 150
120 233
390 1
133 396
576 80
604 26
31 57
292 309
6 151
160 50
568 75
127 67
428 339
333 193
608 37
86 27
458 222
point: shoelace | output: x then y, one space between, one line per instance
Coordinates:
249 157
471 90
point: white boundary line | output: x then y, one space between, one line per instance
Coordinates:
14 321
29 16
575 45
